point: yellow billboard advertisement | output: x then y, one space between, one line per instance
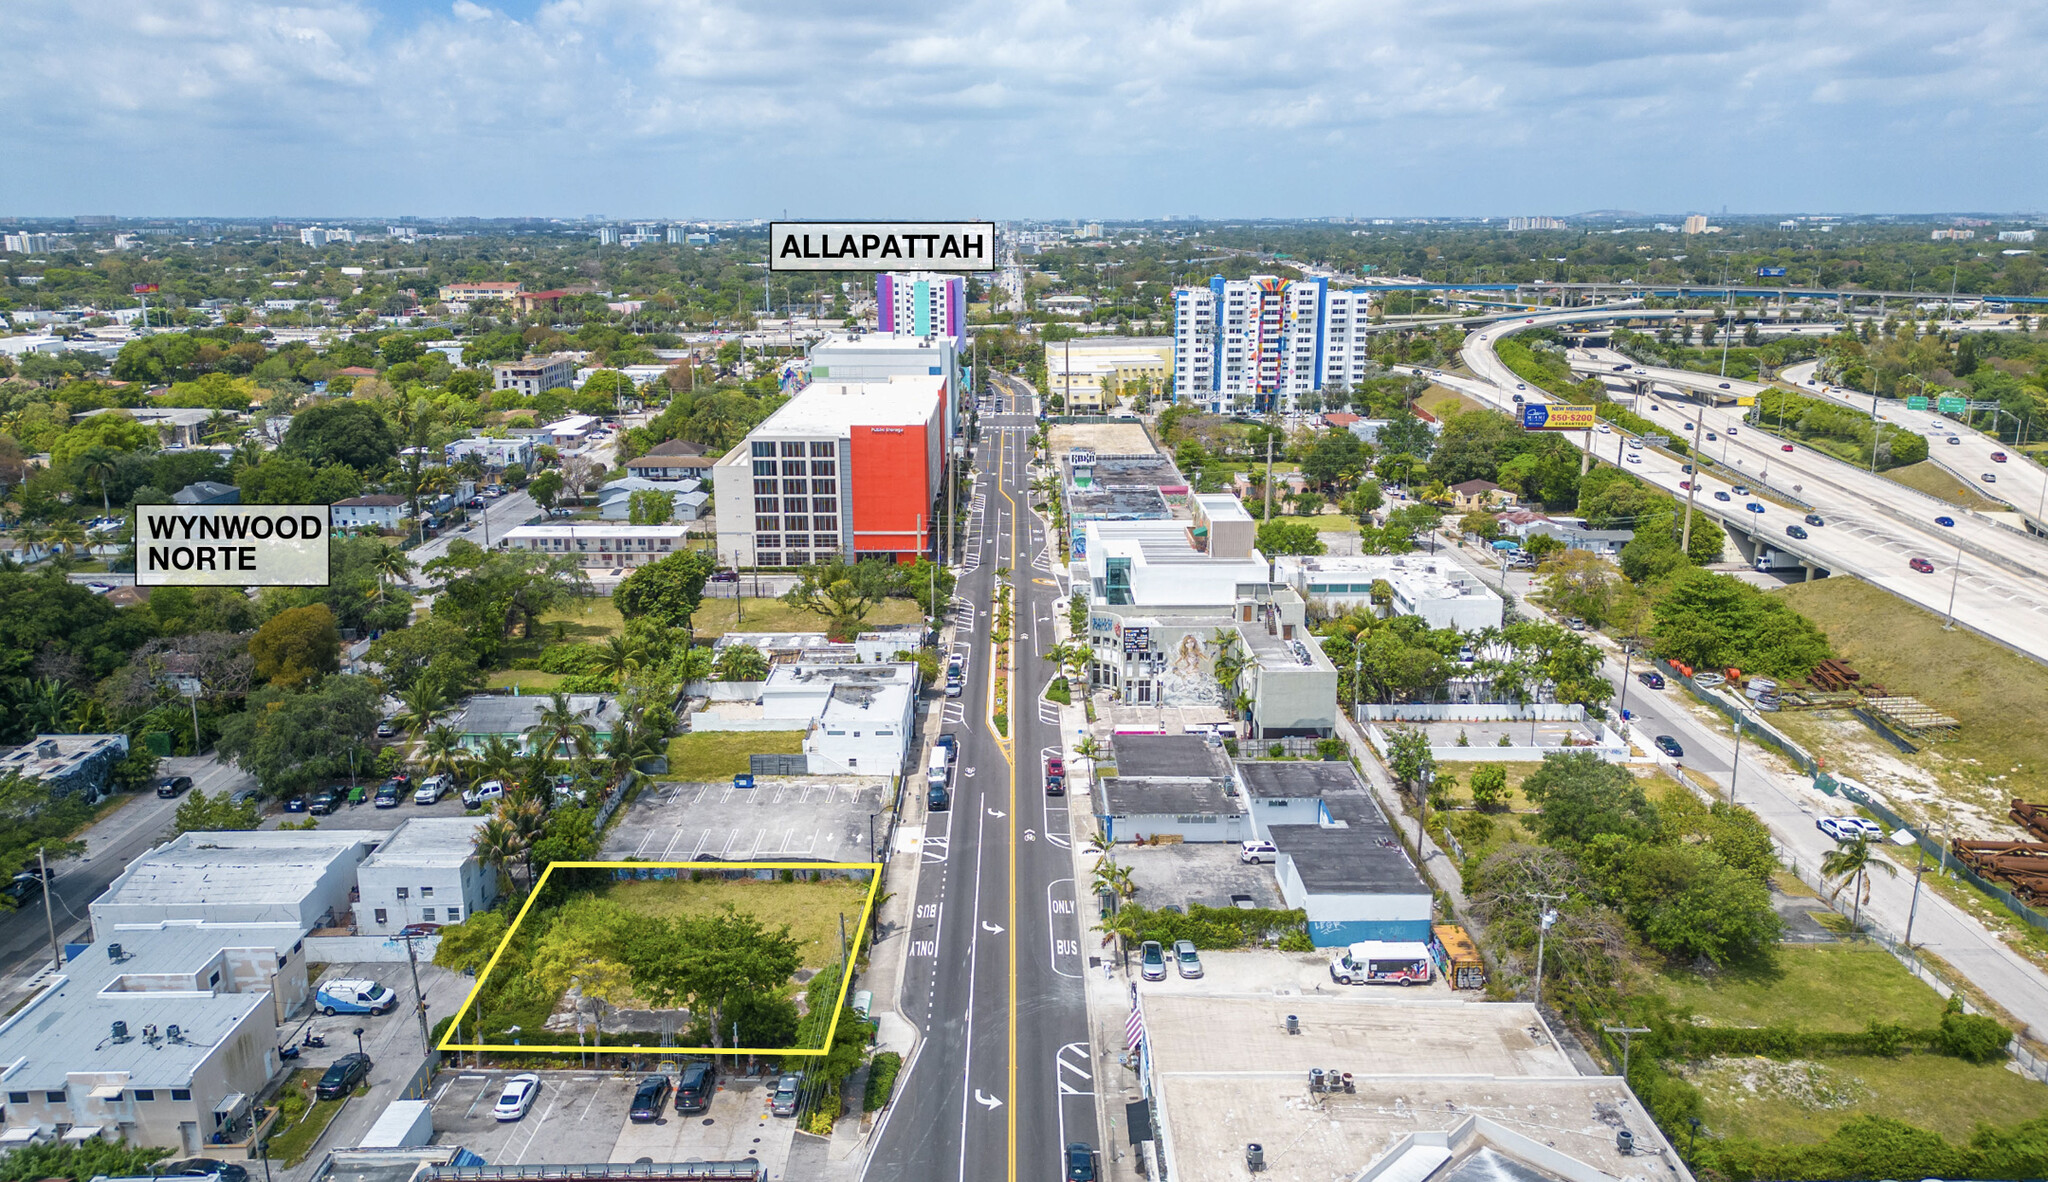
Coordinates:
1556 416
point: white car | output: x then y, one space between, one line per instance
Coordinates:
432 789
517 1097
485 793
1257 851
1633 458
1848 829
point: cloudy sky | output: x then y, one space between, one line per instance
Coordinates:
1017 108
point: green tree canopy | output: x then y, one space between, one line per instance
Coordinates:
666 592
342 431
297 741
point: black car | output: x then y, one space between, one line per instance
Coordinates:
23 887
1080 1162
1651 678
1815 519
1669 746
204 1167
1055 784
387 795
951 744
649 1098
171 786
342 1076
695 1087
936 800
1795 531
325 801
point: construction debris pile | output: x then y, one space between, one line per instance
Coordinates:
2021 865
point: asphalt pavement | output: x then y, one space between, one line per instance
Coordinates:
994 974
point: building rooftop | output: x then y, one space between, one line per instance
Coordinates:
193 871
57 755
875 342
504 714
1134 503
833 408
1297 779
1192 795
672 450
1222 507
595 532
201 492
1272 652
371 500
1168 755
68 1027
428 842
1421 1069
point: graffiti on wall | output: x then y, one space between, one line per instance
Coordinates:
1189 679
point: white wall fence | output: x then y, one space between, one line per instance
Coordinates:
364 949
1610 745
1472 712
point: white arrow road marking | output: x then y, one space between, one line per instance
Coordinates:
997 814
990 928
986 1101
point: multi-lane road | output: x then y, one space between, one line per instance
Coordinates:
998 1083
1995 578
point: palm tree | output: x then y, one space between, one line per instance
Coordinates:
1853 863
99 464
529 821
31 537
46 706
391 564
425 703
495 759
71 536
219 425
442 754
560 723
621 658
497 843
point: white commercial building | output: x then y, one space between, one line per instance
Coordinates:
533 375
370 511
856 719
922 303
25 243
427 871
687 500
1258 344
1438 589
243 876
600 546
494 453
880 356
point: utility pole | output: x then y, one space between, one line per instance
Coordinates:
1691 493
1626 1032
1735 768
1545 917
412 960
49 916
1269 474
1919 869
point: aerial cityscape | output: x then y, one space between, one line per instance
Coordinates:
1419 594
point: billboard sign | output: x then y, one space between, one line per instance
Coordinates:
1916 402
1770 272
231 545
1556 416
1953 404
1137 640
143 289
882 246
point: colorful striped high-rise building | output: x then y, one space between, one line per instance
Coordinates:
922 303
1257 345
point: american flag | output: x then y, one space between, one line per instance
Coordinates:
1134 1028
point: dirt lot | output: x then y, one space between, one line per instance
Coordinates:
1118 439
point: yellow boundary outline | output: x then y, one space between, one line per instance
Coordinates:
874 869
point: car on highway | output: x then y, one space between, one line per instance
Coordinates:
1635 444
324 802
1685 426
1669 746
342 1076
1720 495
1685 486
1998 457
782 1102
1922 565
1711 437
1989 478
650 1098
1754 507
1081 1156
1521 385
1622 368
172 786
23 886
1795 531
1947 521
1186 961
1640 372
1725 386
1740 490
1651 678
1633 458
1954 439
1152 961
1604 429
1785 447
1733 431
1815 519
517 1097
695 1087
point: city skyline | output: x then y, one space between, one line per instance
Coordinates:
343 109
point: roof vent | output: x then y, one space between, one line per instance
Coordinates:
173 1033
120 1032
114 953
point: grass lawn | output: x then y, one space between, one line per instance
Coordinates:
1937 481
811 909
1335 523
1442 400
1803 1102
710 756
1999 696
1811 986
292 1144
587 617
716 616
526 679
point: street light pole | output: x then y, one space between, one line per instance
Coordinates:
1735 768
1954 579
1545 916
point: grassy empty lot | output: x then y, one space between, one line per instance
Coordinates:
719 755
1998 696
292 1142
1811 986
811 909
1806 1100
528 680
716 616
1937 481
1442 401
590 617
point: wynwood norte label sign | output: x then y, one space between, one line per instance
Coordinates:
231 545
1556 416
882 246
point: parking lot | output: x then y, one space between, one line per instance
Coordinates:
1206 873
582 1116
812 818
367 815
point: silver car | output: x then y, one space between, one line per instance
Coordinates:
1186 960
783 1102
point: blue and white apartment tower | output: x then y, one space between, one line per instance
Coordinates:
922 303
1257 345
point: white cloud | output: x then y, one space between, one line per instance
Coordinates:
1032 106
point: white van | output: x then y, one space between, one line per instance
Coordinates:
936 768
1382 962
